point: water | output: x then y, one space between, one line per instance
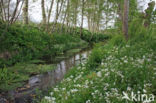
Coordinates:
49 79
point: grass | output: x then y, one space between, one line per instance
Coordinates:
16 76
112 69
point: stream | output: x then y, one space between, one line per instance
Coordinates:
47 80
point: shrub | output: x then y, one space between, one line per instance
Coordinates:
95 58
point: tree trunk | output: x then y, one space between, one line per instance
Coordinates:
125 18
75 18
15 12
56 15
9 10
43 13
82 18
49 14
65 16
25 12
3 11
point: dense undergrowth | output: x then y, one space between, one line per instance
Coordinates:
23 47
113 69
24 43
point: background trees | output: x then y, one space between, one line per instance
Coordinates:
69 15
25 12
10 11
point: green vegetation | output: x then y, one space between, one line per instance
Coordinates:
121 64
16 76
24 47
112 69
24 43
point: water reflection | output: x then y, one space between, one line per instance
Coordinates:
50 79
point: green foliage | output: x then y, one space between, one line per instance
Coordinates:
94 37
15 76
95 58
114 69
24 43
10 80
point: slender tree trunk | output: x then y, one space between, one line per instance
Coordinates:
59 12
9 10
49 14
65 16
19 11
25 12
82 18
75 18
89 24
63 22
56 15
15 12
125 18
43 12
93 21
3 11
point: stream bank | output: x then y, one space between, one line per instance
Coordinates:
43 81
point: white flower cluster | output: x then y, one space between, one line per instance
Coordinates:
103 85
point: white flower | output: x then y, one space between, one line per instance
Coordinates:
63 88
51 93
66 97
141 61
129 88
50 99
127 46
86 82
53 98
78 85
96 91
99 74
47 98
68 79
56 89
88 101
144 91
91 82
148 60
86 86
71 76
107 74
125 61
74 90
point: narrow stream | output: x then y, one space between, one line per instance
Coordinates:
49 79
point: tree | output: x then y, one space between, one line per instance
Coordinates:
125 18
65 15
9 13
25 12
43 12
149 13
49 14
82 14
